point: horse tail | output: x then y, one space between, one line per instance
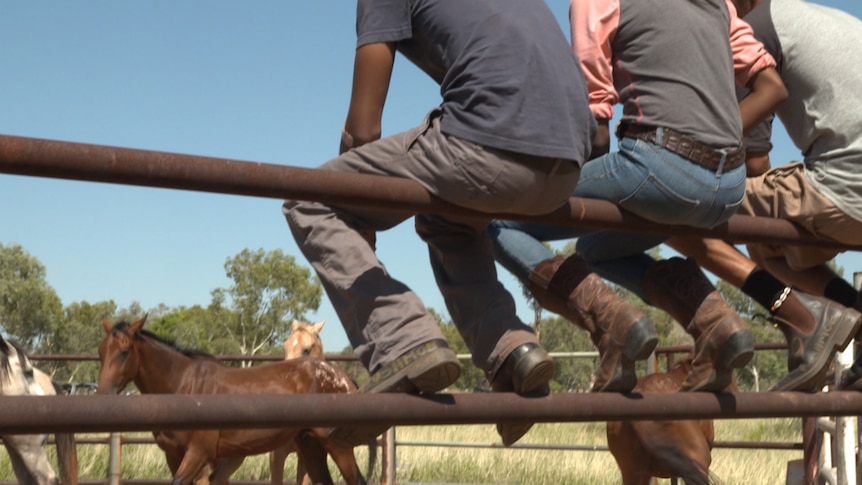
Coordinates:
67 449
714 479
372 458
67 456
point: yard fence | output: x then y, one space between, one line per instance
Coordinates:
77 161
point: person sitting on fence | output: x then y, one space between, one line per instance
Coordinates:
510 136
817 50
680 161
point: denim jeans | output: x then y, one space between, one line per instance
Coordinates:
642 178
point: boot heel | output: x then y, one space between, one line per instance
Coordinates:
736 351
641 340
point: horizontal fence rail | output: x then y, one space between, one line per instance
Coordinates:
40 414
99 163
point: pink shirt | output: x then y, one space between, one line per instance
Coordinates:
594 27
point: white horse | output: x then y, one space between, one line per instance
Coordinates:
30 463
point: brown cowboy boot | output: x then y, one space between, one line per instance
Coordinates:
621 332
722 340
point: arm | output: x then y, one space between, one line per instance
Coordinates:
372 71
594 25
754 69
767 92
602 140
756 163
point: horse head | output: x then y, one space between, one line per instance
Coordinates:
17 375
118 360
304 341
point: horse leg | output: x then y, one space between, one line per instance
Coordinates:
67 456
224 469
192 465
277 458
345 460
302 477
312 454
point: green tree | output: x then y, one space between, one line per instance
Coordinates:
29 307
78 333
269 290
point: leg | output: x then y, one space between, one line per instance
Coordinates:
224 469
194 463
715 256
813 326
723 341
813 279
277 458
621 332
313 456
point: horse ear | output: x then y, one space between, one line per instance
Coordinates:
134 327
317 327
294 325
107 325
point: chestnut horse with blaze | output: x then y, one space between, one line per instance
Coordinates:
666 449
131 354
304 341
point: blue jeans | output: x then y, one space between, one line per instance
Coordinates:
642 178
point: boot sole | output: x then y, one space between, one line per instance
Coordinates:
641 342
736 352
812 379
433 370
426 369
534 381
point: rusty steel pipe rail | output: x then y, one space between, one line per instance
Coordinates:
98 163
43 414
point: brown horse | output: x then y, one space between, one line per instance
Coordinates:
131 354
666 449
304 341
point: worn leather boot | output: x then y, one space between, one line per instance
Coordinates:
527 371
722 340
809 356
621 332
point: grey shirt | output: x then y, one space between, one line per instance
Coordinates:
507 74
673 67
819 54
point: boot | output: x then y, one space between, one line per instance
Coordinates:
621 332
722 340
809 356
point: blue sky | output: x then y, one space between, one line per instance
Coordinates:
265 81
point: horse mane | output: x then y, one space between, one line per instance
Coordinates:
193 353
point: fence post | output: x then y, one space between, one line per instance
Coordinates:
388 466
115 452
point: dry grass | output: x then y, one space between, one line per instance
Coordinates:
438 464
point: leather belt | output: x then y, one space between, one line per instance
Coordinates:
703 155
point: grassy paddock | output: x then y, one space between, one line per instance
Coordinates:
437 464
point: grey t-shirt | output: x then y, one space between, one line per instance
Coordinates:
507 75
818 51
673 67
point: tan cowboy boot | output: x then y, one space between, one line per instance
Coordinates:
722 340
621 332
